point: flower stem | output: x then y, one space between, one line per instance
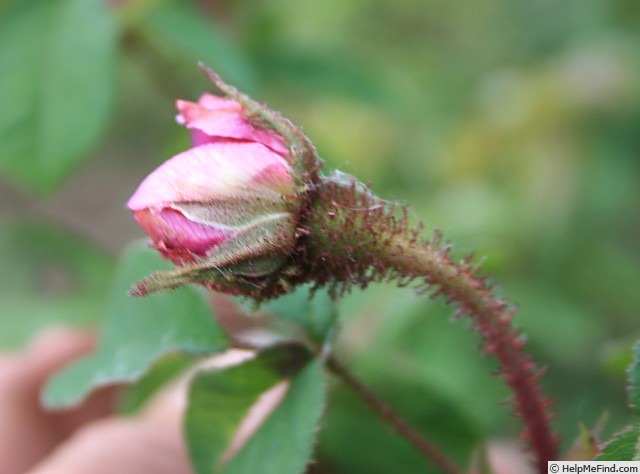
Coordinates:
355 238
492 320
428 449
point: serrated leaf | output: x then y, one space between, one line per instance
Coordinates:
284 443
49 277
57 59
633 375
138 331
219 400
622 447
177 27
317 315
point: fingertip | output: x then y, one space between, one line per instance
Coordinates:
55 347
59 336
119 445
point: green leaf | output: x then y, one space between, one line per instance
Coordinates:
633 375
166 369
219 400
316 314
179 29
49 277
138 331
57 59
622 447
319 73
284 443
379 449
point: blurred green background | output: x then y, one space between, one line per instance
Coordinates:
512 125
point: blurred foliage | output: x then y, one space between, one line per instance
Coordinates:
511 125
50 276
57 85
137 332
314 318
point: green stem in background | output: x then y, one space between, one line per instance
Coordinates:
388 415
235 321
355 238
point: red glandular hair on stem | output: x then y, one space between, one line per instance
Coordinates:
355 238
492 320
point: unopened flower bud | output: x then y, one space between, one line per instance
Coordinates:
227 204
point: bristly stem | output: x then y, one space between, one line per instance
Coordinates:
428 449
355 238
492 320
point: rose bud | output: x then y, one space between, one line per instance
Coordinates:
223 209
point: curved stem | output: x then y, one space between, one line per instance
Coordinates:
492 320
429 450
355 238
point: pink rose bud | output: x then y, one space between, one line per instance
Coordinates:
228 200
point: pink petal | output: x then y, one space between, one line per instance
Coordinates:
216 171
274 177
208 106
215 102
178 238
198 137
217 117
